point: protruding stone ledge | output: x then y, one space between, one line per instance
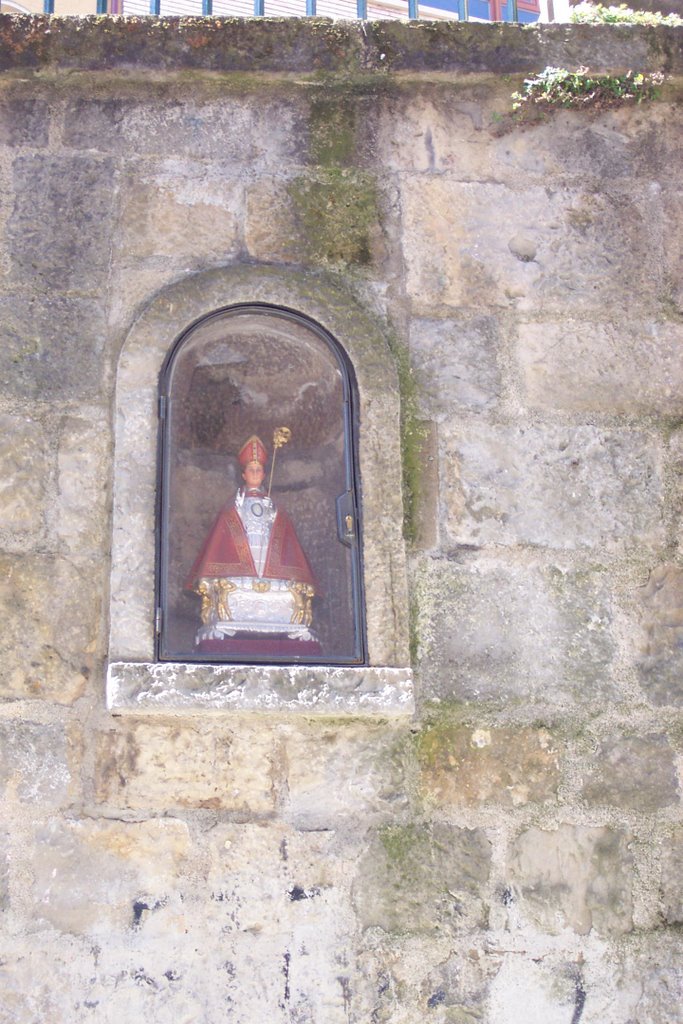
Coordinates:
170 687
318 45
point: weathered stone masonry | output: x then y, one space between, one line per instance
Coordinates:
513 853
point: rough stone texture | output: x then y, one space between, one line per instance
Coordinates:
4 874
454 245
572 877
514 633
59 232
54 658
423 878
25 467
343 771
81 484
455 364
186 765
614 368
660 996
34 763
635 772
228 131
560 487
180 210
287 844
464 767
270 228
672 877
23 122
94 877
536 992
43 353
661 658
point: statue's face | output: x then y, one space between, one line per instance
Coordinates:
253 475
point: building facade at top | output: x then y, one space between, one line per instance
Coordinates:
520 11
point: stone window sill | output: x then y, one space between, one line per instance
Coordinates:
170 687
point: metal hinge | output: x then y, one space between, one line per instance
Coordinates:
162 406
157 621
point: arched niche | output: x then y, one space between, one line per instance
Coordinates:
265 571
136 677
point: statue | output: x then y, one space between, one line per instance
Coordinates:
252 575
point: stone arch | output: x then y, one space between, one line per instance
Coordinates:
170 313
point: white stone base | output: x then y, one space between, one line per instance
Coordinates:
170 686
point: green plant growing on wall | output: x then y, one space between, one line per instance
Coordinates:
557 87
413 435
598 14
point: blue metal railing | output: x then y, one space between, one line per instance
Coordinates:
458 8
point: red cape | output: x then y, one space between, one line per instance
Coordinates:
226 552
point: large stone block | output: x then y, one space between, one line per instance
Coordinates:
51 636
616 146
572 877
155 766
660 663
24 121
243 132
413 978
272 879
672 877
566 488
342 771
177 210
495 632
455 364
672 201
577 366
35 768
659 998
271 231
59 234
275 915
633 772
462 766
78 516
436 130
4 873
475 244
101 877
538 990
26 480
424 878
53 348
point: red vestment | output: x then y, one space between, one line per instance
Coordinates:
226 552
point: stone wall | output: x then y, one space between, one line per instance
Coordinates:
514 853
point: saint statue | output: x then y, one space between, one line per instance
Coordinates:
252 575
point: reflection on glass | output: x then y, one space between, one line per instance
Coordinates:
259 552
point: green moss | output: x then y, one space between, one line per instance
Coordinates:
433 744
413 437
333 130
400 843
337 210
670 426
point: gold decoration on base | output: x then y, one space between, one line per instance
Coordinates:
204 590
224 587
303 594
215 605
